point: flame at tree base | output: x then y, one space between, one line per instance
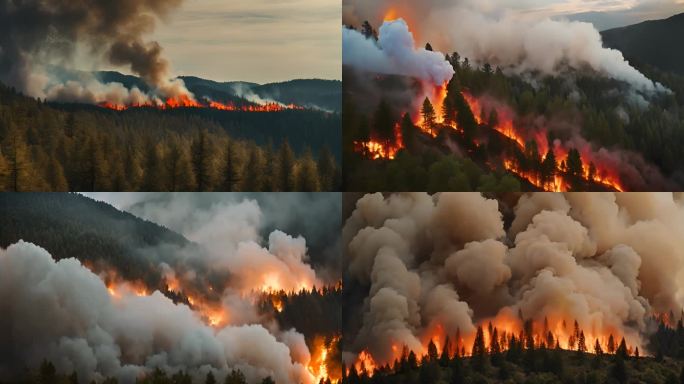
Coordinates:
506 333
185 101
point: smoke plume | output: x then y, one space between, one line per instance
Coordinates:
62 312
482 32
394 53
36 36
424 267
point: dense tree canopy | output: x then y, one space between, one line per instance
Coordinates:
84 148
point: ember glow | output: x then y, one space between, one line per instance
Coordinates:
185 101
321 359
507 330
377 150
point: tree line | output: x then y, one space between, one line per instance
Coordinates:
89 149
525 358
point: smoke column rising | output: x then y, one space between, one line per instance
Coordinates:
35 35
437 265
483 32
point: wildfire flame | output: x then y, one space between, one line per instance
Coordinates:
185 101
320 359
375 149
551 333
603 174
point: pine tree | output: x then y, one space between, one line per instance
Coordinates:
202 161
622 350
408 132
383 125
611 344
581 343
479 350
271 170
254 171
235 377
327 168
446 353
428 113
307 174
18 160
433 355
597 348
210 378
286 160
232 174
55 176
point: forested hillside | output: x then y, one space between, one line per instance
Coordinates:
652 42
639 138
74 226
58 147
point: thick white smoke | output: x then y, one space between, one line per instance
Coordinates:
63 312
485 34
394 53
444 262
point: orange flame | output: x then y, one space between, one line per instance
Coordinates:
320 359
185 101
553 332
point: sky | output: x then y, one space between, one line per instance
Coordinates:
254 40
604 14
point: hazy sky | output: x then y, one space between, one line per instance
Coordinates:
604 14
254 40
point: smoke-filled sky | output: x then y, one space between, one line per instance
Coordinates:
254 40
419 266
224 218
604 14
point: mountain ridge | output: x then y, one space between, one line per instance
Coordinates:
650 42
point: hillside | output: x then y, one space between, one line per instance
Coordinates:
61 147
310 93
75 226
657 43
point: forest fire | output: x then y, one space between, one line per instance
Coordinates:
381 149
321 359
502 334
440 103
590 168
185 101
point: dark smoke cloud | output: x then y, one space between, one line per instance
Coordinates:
37 33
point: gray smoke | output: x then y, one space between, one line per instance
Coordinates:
517 43
35 35
63 312
432 266
394 53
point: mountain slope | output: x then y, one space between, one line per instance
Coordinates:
312 93
657 43
75 226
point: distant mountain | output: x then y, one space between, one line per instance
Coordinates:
71 225
658 43
314 93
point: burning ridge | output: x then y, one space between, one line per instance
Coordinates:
543 152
